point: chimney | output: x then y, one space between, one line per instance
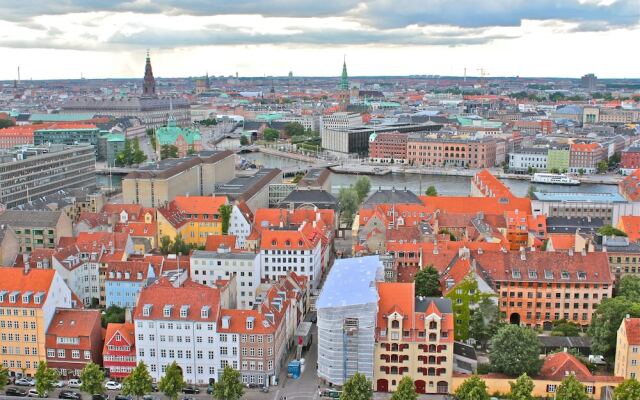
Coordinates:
523 254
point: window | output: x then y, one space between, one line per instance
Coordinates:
75 353
51 353
551 388
61 353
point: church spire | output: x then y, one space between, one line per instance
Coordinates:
344 79
149 84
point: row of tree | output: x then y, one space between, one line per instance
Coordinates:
350 198
137 384
131 154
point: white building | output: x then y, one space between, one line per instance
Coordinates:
80 271
240 223
339 121
180 324
298 250
347 312
209 266
522 160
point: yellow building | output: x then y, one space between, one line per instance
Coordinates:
628 349
28 301
193 217
414 337
556 367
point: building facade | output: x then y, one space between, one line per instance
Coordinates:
627 363
37 229
424 150
388 147
528 159
67 134
119 351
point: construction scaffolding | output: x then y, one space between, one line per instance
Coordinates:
347 310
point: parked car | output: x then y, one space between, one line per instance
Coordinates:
100 397
74 383
122 397
253 385
59 384
154 387
34 393
190 390
69 394
148 397
25 382
597 359
15 392
210 389
264 389
112 385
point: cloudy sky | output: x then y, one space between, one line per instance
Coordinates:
108 38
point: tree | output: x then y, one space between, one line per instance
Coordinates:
348 201
124 156
473 388
606 321
515 350
113 314
358 387
270 134
171 383
484 321
225 216
165 244
431 191
6 123
565 328
521 389
45 378
139 382
362 187
531 193
4 377
292 129
627 390
229 386
629 287
92 378
608 230
168 151
571 389
555 171
138 156
427 282
406 390
614 160
243 140
602 167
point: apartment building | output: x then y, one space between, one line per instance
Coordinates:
16 136
192 217
119 351
388 147
208 267
157 184
74 339
240 223
526 159
37 229
125 279
28 302
584 157
627 362
44 170
180 324
414 337
439 151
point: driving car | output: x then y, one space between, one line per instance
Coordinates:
25 382
112 385
15 392
70 395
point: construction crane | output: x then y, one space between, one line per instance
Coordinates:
483 74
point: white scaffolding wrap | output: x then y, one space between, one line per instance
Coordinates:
347 310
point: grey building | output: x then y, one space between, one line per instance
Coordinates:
254 190
35 171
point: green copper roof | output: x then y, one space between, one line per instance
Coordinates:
344 79
482 123
169 134
269 117
61 117
113 137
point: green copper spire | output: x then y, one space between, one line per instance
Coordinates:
344 79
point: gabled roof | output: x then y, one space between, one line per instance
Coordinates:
15 280
488 205
126 330
630 224
558 365
214 242
74 323
632 328
395 297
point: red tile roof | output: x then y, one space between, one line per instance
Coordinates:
630 186
631 226
126 330
74 323
215 241
632 328
585 147
106 239
562 241
16 280
398 297
491 186
556 367
199 204
191 294
488 205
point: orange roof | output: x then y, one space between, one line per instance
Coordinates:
106 239
74 323
126 331
562 241
139 229
130 209
18 130
286 239
558 365
630 186
199 204
488 205
632 328
490 185
64 126
215 241
630 225
15 280
194 295
585 147
458 271
396 295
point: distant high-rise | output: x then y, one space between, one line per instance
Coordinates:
149 85
589 81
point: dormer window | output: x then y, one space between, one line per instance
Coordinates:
146 310
274 242
250 321
111 274
26 297
184 310
167 310
433 325
117 337
395 324
127 275
13 297
204 312
139 275
38 297
3 295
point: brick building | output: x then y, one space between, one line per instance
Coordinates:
74 339
388 147
451 151
630 159
585 157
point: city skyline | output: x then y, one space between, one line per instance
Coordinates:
529 39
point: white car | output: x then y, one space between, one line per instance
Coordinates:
112 385
59 384
25 382
75 383
34 393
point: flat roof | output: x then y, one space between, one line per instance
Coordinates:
571 197
242 184
351 281
224 255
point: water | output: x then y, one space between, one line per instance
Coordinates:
445 185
